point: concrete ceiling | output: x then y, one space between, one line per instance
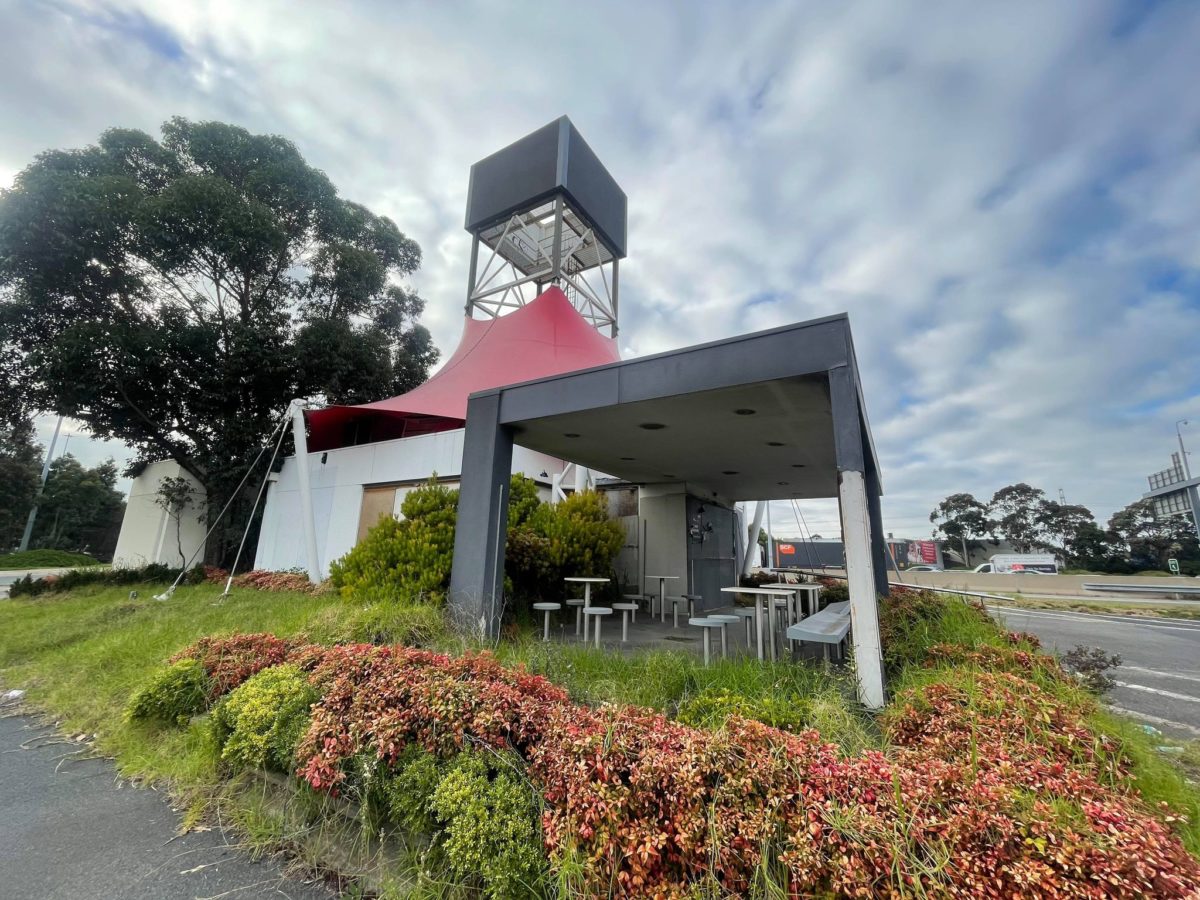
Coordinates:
770 440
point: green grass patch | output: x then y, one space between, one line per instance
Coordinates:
45 559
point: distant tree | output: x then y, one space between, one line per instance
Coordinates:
174 294
1099 550
20 470
80 508
1153 540
1016 510
962 519
1062 525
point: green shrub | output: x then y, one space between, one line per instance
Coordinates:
572 537
380 623
492 836
408 791
404 560
259 723
172 696
76 578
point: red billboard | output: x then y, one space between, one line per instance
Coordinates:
922 553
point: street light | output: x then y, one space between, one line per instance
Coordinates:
1187 470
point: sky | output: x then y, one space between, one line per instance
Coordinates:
1002 195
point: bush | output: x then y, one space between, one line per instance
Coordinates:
404 560
77 578
491 837
175 694
259 724
228 662
408 791
1090 666
572 537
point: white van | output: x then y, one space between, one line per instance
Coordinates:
1021 563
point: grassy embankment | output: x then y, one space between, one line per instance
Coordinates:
81 655
44 559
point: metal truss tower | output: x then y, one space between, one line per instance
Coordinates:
544 211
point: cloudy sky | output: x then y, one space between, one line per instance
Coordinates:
1005 197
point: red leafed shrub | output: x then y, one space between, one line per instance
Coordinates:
382 699
1016 638
230 661
990 787
995 658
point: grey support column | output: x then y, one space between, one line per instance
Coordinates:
477 578
879 548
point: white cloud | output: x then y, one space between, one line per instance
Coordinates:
1000 195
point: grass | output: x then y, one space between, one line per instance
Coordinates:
44 559
81 654
1115 608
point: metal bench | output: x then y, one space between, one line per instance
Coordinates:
829 626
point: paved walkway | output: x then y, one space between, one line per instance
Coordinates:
80 832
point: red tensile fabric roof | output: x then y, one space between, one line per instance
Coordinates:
545 337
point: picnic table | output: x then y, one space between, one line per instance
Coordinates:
812 595
758 593
662 593
587 596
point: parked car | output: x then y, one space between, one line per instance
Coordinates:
924 569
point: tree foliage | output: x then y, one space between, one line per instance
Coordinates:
963 520
1016 509
20 469
80 508
1153 540
174 294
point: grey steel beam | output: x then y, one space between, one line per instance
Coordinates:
477 579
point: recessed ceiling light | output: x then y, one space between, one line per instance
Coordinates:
729 472
570 434
775 444
628 458
744 412
652 426
797 465
781 483
669 476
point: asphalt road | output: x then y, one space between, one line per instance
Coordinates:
80 832
1159 678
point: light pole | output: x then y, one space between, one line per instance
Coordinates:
1187 470
41 486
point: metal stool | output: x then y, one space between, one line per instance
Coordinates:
577 602
547 608
725 622
626 609
707 625
637 600
692 600
747 613
599 612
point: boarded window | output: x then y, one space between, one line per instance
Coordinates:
377 502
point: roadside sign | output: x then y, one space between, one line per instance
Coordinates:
1173 565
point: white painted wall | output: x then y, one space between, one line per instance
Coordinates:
337 486
148 532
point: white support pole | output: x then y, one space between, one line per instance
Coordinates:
860 576
770 538
306 506
752 554
28 533
583 477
